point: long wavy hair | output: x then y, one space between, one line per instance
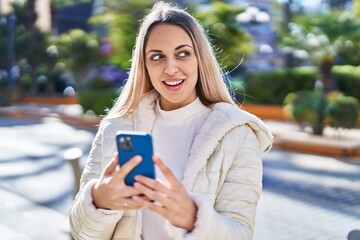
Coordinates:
211 87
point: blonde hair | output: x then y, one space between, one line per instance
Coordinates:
211 87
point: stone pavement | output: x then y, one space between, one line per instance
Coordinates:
306 196
36 184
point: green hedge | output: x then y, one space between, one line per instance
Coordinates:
348 80
98 101
272 87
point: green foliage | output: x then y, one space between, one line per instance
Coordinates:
123 21
334 109
325 36
347 79
356 8
342 111
300 106
236 87
228 39
3 81
96 83
272 87
79 51
28 43
63 3
98 101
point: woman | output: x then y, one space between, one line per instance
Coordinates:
209 168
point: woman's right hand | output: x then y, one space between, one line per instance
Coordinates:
110 192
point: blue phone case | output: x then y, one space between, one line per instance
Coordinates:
131 143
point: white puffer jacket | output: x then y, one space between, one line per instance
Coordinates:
223 176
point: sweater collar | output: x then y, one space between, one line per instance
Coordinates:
180 115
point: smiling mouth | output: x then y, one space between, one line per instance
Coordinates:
173 83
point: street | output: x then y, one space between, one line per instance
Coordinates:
305 196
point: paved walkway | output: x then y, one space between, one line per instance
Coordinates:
308 197
36 184
305 196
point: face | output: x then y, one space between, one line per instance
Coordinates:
172 65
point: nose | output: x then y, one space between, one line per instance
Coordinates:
171 66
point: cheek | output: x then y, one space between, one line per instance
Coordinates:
153 72
192 69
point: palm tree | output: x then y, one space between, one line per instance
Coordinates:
324 36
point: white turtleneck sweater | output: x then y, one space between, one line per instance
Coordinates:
173 134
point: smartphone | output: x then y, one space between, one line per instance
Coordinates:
130 144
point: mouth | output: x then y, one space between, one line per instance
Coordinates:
173 83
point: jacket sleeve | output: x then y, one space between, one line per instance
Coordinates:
86 221
232 216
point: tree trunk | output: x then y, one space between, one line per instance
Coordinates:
31 17
325 75
320 104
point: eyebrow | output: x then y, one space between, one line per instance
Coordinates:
177 48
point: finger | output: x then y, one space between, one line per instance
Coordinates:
151 194
166 171
127 167
150 205
128 191
153 184
128 204
111 166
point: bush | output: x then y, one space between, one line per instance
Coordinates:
342 111
347 80
299 106
98 101
315 109
272 87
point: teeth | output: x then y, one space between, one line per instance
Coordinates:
173 83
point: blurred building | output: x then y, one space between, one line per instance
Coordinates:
258 20
71 17
43 11
5 6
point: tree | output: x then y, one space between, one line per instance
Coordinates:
324 36
226 35
356 8
30 43
122 21
79 51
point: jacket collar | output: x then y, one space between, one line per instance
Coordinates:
144 116
222 119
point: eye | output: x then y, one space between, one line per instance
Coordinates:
183 54
156 57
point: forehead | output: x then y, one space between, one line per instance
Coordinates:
167 35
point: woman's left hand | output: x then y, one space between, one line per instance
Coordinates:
171 200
